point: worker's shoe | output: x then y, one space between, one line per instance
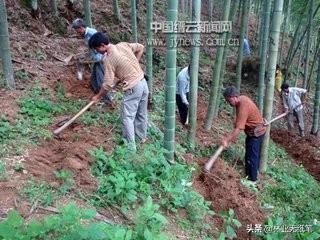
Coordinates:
302 134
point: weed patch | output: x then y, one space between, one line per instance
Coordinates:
294 195
74 223
126 180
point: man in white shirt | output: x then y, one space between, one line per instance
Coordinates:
291 97
182 94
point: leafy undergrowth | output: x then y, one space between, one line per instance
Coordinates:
37 110
294 197
127 179
73 223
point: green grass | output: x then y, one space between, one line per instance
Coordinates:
40 193
293 193
75 223
38 107
66 176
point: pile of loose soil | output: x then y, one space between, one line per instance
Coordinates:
68 151
223 188
304 150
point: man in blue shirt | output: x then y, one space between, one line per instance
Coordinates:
182 94
97 75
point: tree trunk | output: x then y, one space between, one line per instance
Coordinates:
216 73
274 46
183 6
316 109
87 12
224 58
54 7
264 51
293 49
134 27
170 85
292 46
149 50
248 17
315 58
239 11
195 52
5 47
116 10
298 67
261 27
284 30
306 65
190 9
210 10
244 23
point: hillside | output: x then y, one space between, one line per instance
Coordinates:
87 165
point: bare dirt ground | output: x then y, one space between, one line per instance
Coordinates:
305 151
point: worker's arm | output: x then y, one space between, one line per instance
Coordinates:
299 90
109 81
137 49
230 137
96 57
240 124
97 97
182 84
285 104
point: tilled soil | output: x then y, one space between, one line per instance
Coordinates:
305 151
223 188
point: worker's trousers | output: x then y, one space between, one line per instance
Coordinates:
299 117
134 112
183 109
252 156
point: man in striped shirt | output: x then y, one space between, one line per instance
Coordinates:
122 67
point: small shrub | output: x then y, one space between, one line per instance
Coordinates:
66 177
39 192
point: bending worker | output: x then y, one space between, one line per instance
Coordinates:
249 119
122 66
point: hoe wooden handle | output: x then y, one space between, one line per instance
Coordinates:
64 126
211 161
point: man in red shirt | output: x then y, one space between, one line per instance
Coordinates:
249 119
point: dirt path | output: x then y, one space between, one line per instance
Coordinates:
305 151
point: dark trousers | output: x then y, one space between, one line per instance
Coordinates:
183 109
97 78
252 157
